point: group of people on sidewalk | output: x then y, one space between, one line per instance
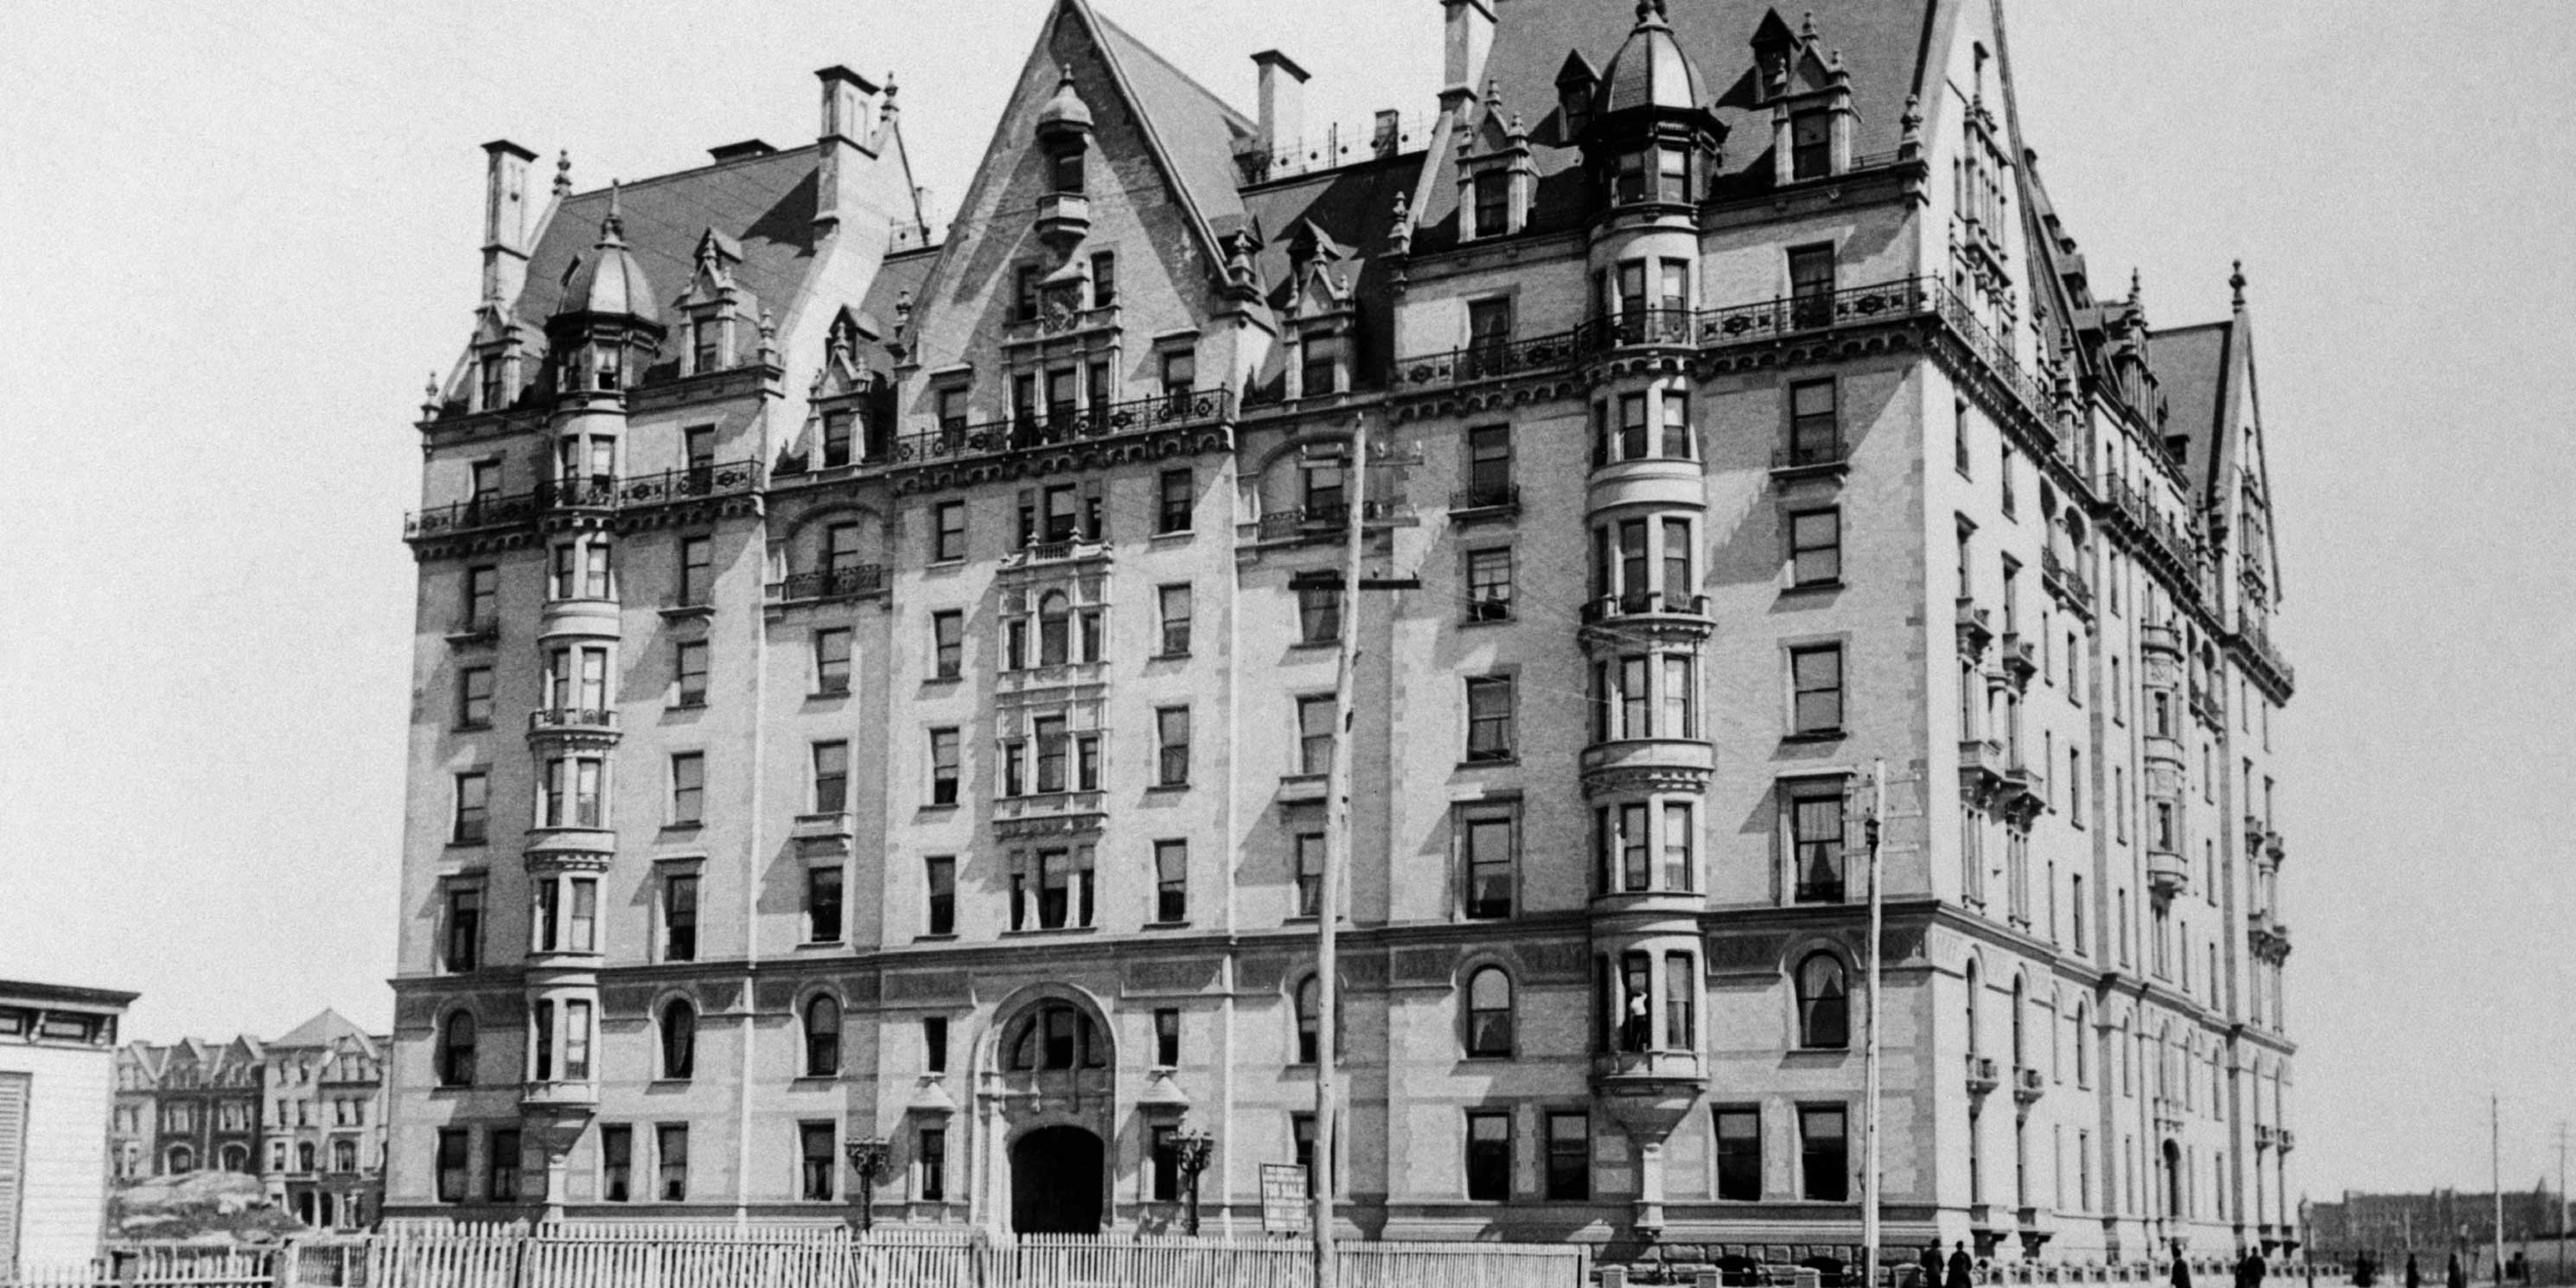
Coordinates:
1960 1270
2365 1272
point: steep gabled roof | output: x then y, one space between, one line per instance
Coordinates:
765 204
2191 368
320 1031
1196 130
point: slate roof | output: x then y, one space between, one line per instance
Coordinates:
766 203
2191 368
320 1031
1354 207
1883 43
1198 132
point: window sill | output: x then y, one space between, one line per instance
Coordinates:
473 726
948 938
818 945
1814 735
469 845
686 612
688 827
1504 620
1169 657
1050 930
1167 925
1315 644
952 564
1813 587
1167 788
688 704
939 807
1176 537
1498 762
819 695
946 679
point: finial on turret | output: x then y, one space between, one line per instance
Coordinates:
2236 283
1400 236
768 338
612 226
1807 28
429 398
563 173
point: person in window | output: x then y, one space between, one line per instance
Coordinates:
1634 1033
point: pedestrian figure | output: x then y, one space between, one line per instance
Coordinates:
2364 1273
1931 1264
2181 1273
2249 1271
2456 1277
2414 1273
1963 1273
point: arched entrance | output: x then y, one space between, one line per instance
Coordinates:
1056 1182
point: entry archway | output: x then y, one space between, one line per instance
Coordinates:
1056 1185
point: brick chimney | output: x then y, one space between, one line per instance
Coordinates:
1283 100
848 99
505 218
1467 31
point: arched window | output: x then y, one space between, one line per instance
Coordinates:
679 1039
236 1158
344 1156
1309 1000
1056 1035
182 1160
1976 1040
1824 1003
2020 1002
1055 617
456 1053
1489 1013
822 1036
304 1156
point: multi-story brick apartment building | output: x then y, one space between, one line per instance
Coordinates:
870 687
304 1112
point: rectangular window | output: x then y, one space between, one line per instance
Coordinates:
943 767
1486 839
1489 718
1489 465
1319 614
837 427
1175 498
840 547
1816 842
671 1162
831 777
939 878
1672 175
482 598
1172 750
1681 589
1489 584
1569 1156
616 1162
474 698
1171 881
1310 873
451 1165
1811 145
822 905
1180 372
1104 279
1320 372
832 660
1489 335
1816 547
689 673
1815 423
1049 734
464 927
947 644
1816 678
1024 292
697 571
1824 1153
1315 734
932 1159
947 531
1174 603
1489 1155
1677 444
577 1028
680 919
472 822
934 1044
1811 285
1632 426
501 1181
1679 872
1493 203
1167 1039
819 1161
698 448
1739 1154
688 788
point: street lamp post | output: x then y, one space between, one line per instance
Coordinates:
868 1156
1190 1152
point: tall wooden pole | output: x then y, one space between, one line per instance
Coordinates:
1869 1195
2495 1166
1337 851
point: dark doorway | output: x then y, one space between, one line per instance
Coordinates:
1055 1182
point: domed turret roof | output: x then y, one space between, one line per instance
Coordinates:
1650 69
1065 111
609 280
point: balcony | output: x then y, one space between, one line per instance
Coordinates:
1644 603
590 726
2159 637
559 1095
2258 646
860 581
1982 1074
1485 501
1981 767
2266 1135
1976 627
2167 874
1298 525
2021 656
1069 550
1051 323
734 478
1648 764
2026 782
599 495
2029 1085
1497 360
1063 217
1035 432
2066 580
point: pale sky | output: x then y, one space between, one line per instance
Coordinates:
241 235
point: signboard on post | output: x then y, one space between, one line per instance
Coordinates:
1284 1199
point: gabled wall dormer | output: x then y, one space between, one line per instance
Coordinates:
1809 93
506 352
850 420
1321 314
718 317
1497 180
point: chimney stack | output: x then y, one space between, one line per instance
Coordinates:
1467 31
505 218
842 140
1283 100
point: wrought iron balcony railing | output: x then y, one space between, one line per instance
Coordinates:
1489 496
572 718
2249 630
1036 429
853 582
2068 578
1810 456
596 493
1640 602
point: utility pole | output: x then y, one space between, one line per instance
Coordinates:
1869 1225
1337 851
2495 1164
2562 1199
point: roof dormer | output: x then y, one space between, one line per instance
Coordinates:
1809 92
1497 180
718 312
1650 139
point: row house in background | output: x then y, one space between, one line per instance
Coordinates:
304 1112
872 691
